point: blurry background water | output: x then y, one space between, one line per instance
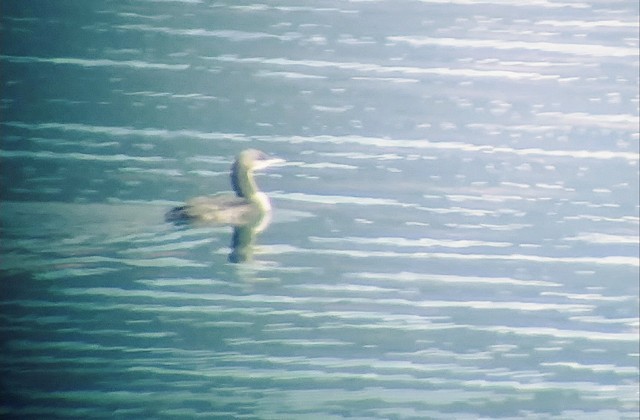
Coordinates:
455 234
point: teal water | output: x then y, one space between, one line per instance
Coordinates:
455 233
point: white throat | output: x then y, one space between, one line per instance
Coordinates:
262 201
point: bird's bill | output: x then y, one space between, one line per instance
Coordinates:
264 163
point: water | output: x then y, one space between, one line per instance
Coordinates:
455 234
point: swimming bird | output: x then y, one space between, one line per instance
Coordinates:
248 207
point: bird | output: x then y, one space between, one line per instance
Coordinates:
249 207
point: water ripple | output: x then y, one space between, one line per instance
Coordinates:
385 143
85 62
592 50
232 35
380 69
43 154
606 260
419 277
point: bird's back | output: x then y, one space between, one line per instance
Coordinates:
225 209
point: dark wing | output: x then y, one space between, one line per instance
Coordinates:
219 209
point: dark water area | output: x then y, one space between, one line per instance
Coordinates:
454 233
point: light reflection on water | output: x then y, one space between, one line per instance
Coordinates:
455 234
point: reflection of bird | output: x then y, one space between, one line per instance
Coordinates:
249 207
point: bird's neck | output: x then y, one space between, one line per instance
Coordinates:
243 183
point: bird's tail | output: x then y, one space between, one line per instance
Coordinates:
177 215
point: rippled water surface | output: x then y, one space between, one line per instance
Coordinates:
455 232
